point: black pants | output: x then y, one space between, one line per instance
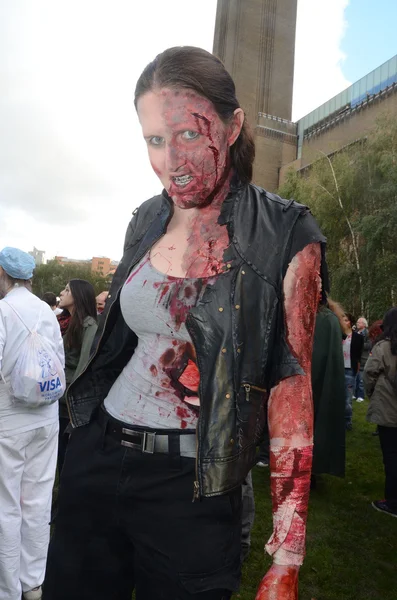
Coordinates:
126 521
388 443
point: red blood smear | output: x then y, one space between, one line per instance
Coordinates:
183 414
290 405
188 292
168 357
190 377
279 583
291 409
137 271
153 370
164 292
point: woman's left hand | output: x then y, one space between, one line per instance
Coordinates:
279 583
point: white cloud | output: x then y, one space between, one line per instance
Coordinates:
73 164
318 58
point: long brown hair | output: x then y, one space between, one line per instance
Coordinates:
84 306
196 69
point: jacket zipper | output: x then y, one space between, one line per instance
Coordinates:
107 316
248 387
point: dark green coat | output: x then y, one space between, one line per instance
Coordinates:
77 358
328 381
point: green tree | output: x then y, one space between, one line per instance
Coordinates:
353 195
52 277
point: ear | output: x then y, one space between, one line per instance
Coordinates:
236 125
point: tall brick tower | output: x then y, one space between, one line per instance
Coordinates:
256 41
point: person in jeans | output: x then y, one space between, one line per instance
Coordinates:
380 380
208 325
353 344
362 329
28 436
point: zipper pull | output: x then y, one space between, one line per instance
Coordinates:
247 392
196 491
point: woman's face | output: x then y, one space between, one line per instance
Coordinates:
346 322
66 298
188 143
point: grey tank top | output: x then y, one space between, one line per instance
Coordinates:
158 388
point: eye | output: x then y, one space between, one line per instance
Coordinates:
190 135
156 140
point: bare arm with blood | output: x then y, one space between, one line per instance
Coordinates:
290 415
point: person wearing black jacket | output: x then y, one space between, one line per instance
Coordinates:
208 328
353 344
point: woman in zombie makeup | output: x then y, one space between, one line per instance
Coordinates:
207 335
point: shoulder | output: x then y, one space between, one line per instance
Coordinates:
286 217
269 230
325 314
143 216
381 347
148 209
273 202
89 322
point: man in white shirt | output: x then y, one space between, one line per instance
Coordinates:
28 437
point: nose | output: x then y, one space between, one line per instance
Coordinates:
174 157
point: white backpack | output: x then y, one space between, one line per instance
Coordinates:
38 377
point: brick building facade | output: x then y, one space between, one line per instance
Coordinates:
256 41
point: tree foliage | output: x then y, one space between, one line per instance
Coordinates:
353 196
53 277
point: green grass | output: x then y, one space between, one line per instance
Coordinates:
351 548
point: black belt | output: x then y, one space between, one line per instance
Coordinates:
181 443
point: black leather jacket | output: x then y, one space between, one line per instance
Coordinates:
237 328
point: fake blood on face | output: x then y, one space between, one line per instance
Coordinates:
186 138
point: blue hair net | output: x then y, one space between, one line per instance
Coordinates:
17 264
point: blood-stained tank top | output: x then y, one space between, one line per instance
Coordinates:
158 388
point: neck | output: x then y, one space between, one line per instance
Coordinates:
71 310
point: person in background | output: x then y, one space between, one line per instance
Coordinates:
353 344
380 380
101 301
52 302
328 385
374 331
28 436
78 299
362 329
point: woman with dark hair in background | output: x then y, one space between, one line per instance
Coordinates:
380 380
207 328
78 299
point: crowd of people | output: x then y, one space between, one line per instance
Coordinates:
217 327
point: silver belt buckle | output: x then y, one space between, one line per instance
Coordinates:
147 440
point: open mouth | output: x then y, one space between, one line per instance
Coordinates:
182 180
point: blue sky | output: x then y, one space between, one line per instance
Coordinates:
371 36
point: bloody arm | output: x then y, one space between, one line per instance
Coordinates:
290 415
